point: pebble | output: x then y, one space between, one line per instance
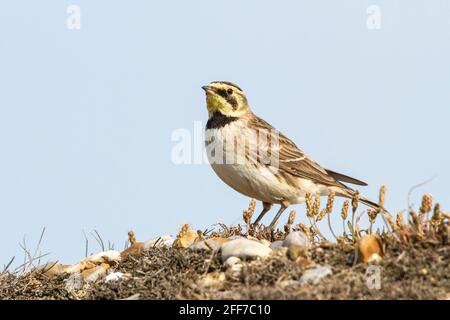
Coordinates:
289 283
235 237
244 248
276 244
298 238
280 252
295 251
108 256
313 276
205 245
133 297
77 268
51 269
186 239
164 241
234 271
92 275
370 249
220 240
74 282
114 276
214 279
233 267
134 250
262 241
231 261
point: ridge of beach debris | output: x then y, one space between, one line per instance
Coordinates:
409 259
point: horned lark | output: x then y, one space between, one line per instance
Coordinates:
257 160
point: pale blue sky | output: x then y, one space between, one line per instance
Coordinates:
86 116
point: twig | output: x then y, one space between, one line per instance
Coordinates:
331 229
316 229
86 245
24 264
8 265
99 240
214 252
416 187
39 242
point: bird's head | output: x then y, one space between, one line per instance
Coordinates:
225 98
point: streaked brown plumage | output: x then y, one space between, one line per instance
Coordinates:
286 178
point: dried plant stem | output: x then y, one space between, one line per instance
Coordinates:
313 224
329 225
355 201
344 213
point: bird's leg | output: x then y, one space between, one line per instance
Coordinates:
279 213
266 208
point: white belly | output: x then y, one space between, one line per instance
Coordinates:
257 182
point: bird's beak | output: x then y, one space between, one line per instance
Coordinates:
207 89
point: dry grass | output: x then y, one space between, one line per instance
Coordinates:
415 262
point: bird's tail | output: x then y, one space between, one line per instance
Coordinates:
370 203
346 192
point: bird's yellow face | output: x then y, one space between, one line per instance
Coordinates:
225 98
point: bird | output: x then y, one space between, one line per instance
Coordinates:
260 162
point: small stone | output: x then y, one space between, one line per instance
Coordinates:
262 241
135 296
370 249
214 279
375 259
276 244
220 240
105 266
424 271
92 275
244 248
74 282
109 256
231 261
80 266
198 246
280 252
51 269
186 239
135 249
313 276
164 241
235 237
289 283
114 276
207 245
298 238
295 251
234 271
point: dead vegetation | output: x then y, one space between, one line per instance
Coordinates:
412 252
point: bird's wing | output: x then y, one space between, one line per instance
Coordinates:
292 160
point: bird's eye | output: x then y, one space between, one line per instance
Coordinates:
230 91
